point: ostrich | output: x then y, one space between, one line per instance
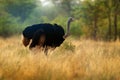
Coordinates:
45 35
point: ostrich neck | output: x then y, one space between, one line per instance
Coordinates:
68 28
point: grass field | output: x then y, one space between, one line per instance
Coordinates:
73 60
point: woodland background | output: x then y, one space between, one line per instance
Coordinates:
94 19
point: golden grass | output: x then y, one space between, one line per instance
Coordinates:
73 60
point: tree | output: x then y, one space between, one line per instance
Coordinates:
12 12
91 13
116 11
64 5
112 9
108 8
20 8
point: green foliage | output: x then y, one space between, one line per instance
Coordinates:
61 20
76 28
64 6
92 18
68 46
9 26
20 8
12 13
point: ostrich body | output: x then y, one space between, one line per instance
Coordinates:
45 34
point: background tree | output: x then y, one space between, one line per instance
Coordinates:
116 12
112 9
20 8
12 13
64 5
91 14
98 20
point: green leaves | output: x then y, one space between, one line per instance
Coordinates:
18 8
92 17
12 13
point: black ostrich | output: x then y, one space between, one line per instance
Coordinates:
45 35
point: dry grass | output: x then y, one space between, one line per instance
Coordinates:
74 60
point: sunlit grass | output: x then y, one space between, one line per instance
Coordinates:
73 60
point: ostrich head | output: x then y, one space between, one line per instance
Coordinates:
68 27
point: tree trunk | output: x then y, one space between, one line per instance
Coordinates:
109 27
116 9
115 27
95 29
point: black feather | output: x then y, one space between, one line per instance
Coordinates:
53 33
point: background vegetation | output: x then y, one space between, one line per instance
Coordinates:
98 20
80 57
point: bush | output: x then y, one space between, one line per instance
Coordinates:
68 46
9 25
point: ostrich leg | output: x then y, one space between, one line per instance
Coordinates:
46 50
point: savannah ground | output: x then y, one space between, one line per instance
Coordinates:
75 59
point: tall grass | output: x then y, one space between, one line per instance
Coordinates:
73 60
